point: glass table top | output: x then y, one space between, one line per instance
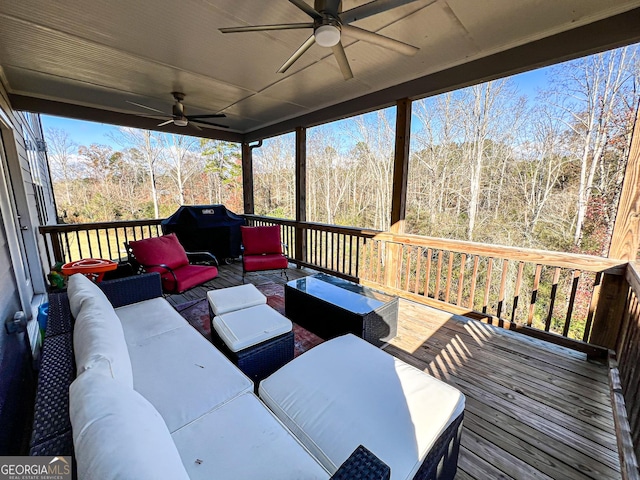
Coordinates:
342 293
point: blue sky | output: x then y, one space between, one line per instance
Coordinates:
86 133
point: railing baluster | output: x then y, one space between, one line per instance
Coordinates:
516 295
418 272
534 294
344 253
357 272
333 250
427 275
326 249
449 276
572 299
407 273
79 246
552 300
108 235
436 293
379 261
100 244
503 284
487 286
67 256
463 264
474 278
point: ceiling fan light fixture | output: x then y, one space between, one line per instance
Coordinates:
180 122
327 35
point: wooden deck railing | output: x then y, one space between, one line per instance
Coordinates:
70 242
625 379
550 295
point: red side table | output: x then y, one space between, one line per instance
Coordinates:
93 268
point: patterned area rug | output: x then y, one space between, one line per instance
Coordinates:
196 313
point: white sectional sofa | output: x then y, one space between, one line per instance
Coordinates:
150 398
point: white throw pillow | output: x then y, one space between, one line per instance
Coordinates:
79 289
117 433
98 334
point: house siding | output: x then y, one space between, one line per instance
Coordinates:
26 173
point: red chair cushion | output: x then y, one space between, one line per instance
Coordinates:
160 250
259 240
272 261
188 277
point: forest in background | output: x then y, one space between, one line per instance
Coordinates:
486 164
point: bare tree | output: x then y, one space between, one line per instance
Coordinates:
588 94
180 161
149 147
61 151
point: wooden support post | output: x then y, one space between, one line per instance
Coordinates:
301 193
610 311
625 240
399 193
247 176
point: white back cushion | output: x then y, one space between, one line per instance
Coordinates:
79 289
97 333
117 433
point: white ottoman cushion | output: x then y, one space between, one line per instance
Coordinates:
183 375
346 392
229 299
250 326
243 440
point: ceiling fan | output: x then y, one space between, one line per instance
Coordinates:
329 22
178 117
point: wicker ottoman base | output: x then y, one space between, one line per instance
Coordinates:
259 361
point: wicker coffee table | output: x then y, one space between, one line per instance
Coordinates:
329 307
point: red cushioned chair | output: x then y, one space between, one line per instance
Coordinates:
166 256
262 250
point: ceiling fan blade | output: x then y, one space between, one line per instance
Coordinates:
380 40
297 54
209 123
306 8
371 8
144 106
343 63
263 28
191 124
165 123
211 115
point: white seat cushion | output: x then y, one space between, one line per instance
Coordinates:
143 320
183 375
250 326
243 440
117 433
346 392
226 300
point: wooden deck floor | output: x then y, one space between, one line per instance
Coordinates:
533 409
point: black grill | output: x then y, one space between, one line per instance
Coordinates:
206 228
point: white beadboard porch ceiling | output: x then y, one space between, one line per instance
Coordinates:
101 53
